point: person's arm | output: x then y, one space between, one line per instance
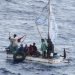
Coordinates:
10 38
19 39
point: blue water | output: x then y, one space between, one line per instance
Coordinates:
21 17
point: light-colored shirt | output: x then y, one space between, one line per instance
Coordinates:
43 46
14 41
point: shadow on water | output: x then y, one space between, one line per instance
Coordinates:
5 71
10 61
29 65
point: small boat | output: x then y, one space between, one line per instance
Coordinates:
56 60
21 56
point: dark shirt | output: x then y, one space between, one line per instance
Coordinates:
25 49
50 46
21 49
34 48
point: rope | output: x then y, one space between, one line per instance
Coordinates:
9 34
39 32
48 22
23 39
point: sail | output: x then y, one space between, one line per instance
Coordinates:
53 29
47 20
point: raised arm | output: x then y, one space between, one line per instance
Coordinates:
19 39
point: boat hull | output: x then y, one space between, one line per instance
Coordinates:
19 57
41 60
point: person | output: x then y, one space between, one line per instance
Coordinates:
36 53
14 42
21 48
64 55
34 49
26 49
30 50
50 49
43 48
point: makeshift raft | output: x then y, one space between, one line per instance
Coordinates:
43 60
20 58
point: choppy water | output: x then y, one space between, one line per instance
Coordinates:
21 17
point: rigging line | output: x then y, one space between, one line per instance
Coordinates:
39 32
49 13
48 22
23 39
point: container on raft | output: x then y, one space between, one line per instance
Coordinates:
17 56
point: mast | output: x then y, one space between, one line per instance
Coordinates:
50 43
48 18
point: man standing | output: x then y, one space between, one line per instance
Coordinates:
14 42
50 49
43 48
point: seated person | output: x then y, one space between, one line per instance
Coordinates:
35 51
26 49
21 49
30 50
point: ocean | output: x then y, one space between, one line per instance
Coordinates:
23 17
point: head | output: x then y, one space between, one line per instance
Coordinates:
42 40
21 45
30 45
26 45
33 44
14 35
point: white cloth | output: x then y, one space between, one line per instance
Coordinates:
14 41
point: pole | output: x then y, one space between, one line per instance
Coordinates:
64 54
48 18
23 39
9 34
50 44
